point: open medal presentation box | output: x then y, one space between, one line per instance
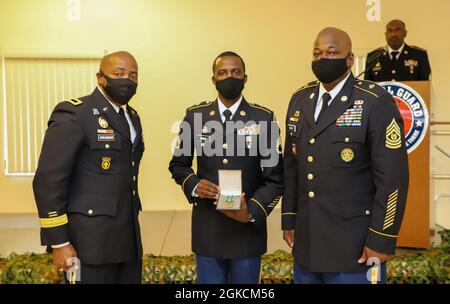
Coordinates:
230 184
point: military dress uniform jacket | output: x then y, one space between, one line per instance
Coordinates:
86 183
412 64
346 177
214 234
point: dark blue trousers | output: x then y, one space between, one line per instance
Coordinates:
211 270
302 275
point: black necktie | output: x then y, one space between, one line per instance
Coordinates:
325 99
394 56
124 121
227 113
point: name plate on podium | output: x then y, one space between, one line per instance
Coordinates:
230 184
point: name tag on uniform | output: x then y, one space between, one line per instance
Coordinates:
106 137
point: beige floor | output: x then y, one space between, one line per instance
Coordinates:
163 233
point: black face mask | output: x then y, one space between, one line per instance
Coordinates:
121 90
328 70
230 88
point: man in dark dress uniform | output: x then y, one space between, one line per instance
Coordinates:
229 244
397 61
345 171
86 184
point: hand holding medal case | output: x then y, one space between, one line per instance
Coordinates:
230 184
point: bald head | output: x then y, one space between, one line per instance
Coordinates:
118 65
335 38
397 23
120 58
332 43
395 33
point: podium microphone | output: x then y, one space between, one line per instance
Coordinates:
371 60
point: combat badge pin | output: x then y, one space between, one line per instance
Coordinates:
102 122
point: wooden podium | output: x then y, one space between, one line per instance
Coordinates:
415 229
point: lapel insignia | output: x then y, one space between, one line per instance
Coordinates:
102 122
347 155
212 113
297 114
393 139
242 113
292 128
95 111
105 109
106 163
344 98
311 96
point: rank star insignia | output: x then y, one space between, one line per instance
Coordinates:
106 163
347 155
393 139
102 122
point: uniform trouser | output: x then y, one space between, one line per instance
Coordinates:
119 273
211 270
302 275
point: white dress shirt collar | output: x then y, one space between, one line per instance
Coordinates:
233 108
333 91
116 107
400 50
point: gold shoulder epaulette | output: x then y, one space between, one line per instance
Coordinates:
367 86
75 101
256 106
200 105
308 85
